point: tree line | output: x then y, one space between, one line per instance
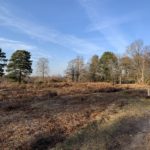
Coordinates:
133 67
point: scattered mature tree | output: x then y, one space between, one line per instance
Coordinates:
70 72
93 68
79 68
135 51
19 65
140 56
85 75
125 69
3 62
146 65
108 66
43 67
75 69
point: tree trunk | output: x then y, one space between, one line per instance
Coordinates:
148 92
120 80
143 69
43 76
20 76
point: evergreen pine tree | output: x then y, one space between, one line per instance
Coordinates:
19 65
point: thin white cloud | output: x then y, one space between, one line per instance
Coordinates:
9 46
71 42
108 25
14 45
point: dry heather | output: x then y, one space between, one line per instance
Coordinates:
40 116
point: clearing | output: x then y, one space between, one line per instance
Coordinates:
74 116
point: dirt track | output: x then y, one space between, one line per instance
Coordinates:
141 140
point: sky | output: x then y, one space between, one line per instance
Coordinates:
60 30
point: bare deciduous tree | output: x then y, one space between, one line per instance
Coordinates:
140 57
125 69
93 68
43 67
75 69
135 51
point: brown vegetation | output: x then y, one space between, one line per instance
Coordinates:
39 116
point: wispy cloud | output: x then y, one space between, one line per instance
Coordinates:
71 42
14 45
9 46
105 23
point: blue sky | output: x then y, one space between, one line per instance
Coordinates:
60 30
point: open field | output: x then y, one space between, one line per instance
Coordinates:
74 116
